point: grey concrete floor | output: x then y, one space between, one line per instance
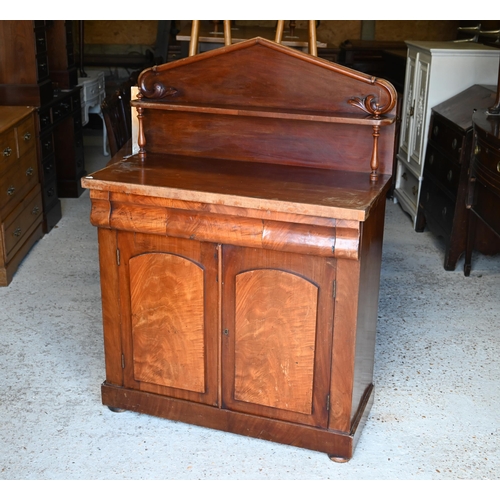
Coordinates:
436 413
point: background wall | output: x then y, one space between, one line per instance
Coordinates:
331 32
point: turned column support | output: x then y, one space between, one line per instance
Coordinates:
374 164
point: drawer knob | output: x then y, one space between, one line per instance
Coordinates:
449 176
431 159
414 190
435 130
444 211
454 144
27 136
36 210
404 176
7 151
29 172
498 167
477 149
17 232
11 190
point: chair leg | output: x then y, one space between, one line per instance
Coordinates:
227 33
280 27
195 33
313 45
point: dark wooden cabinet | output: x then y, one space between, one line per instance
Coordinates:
446 170
240 249
24 64
60 45
37 68
484 181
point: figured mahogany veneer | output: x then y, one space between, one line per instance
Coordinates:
240 249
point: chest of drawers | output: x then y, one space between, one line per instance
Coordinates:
484 181
20 193
441 205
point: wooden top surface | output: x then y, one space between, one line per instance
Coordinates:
208 34
488 124
459 108
305 191
9 115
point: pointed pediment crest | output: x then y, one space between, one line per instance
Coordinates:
261 73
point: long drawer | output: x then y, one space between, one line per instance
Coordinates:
437 205
21 222
18 180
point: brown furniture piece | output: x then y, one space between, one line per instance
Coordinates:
240 249
37 68
446 174
484 180
20 192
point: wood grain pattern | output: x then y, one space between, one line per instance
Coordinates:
167 302
276 283
169 297
275 338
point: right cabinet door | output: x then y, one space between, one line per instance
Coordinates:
277 320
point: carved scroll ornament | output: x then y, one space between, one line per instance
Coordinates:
152 89
369 105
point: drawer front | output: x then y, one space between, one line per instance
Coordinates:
61 109
49 194
42 65
76 100
487 165
91 90
26 136
19 179
49 168
40 41
47 146
442 169
16 230
449 140
408 184
45 120
437 205
8 150
486 206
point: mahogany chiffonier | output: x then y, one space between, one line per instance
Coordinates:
442 201
240 248
435 71
20 192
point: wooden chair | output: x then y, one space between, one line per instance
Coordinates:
116 112
195 33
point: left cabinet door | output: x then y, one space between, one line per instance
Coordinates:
169 310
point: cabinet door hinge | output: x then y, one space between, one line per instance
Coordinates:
123 361
334 289
328 402
118 256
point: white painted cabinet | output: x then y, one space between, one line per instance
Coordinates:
435 71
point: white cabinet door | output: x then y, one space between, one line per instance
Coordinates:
408 107
419 130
